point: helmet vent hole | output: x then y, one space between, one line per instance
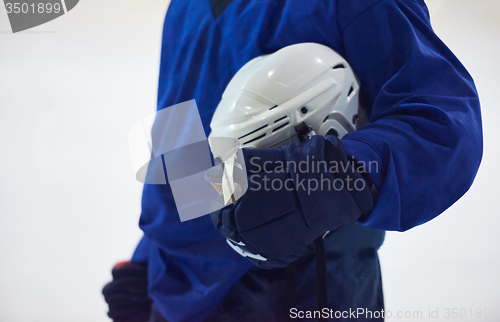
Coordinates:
281 126
260 128
272 108
339 66
281 118
255 139
350 91
303 110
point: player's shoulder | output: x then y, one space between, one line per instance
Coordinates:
348 10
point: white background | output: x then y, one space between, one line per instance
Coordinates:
69 205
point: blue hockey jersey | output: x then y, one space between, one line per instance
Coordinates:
424 133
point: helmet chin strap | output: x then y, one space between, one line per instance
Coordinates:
304 133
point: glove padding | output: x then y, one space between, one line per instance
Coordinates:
295 194
127 294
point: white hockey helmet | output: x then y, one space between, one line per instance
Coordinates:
275 99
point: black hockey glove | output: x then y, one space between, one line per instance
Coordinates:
127 294
295 194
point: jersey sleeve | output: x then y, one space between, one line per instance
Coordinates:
141 253
423 145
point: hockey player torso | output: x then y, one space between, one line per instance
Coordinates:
192 269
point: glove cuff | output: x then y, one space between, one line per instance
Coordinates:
320 167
